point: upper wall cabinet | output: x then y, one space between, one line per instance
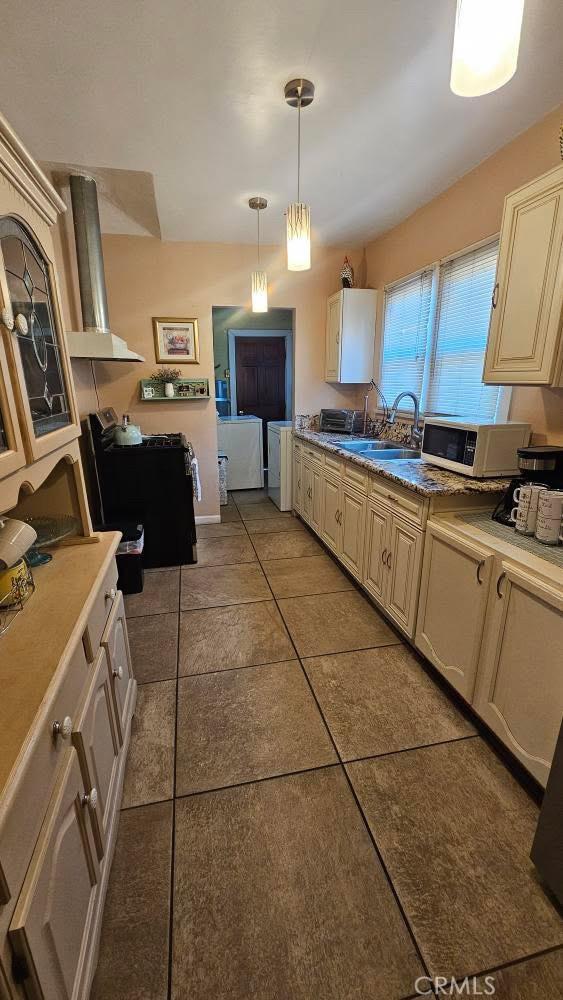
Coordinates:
525 345
350 335
36 396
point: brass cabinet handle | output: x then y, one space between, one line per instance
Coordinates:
389 560
383 555
494 300
499 581
479 568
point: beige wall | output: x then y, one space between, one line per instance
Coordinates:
465 213
146 277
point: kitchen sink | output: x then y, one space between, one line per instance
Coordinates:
364 444
377 451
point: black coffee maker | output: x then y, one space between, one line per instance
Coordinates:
540 463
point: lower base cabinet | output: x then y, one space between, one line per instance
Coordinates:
392 563
353 531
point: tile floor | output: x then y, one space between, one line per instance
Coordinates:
306 814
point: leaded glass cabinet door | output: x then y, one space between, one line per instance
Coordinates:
39 355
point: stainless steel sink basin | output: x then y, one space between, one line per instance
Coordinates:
377 451
365 444
389 454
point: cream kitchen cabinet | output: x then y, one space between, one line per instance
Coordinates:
350 335
392 563
331 513
525 344
297 479
353 530
454 589
312 492
519 691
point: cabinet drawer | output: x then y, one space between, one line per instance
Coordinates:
52 918
333 464
29 793
313 454
356 477
100 611
409 505
97 743
116 645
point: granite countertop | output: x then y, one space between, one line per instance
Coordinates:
420 477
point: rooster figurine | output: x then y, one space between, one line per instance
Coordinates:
347 274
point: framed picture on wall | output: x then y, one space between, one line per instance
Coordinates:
176 340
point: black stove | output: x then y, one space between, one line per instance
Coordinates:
149 483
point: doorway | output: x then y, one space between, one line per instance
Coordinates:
259 386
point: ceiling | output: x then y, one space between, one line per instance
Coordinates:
191 91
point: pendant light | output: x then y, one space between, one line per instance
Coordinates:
486 42
259 278
299 94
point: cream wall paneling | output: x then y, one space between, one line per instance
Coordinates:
525 344
350 335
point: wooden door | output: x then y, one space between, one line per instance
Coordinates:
524 336
331 531
403 561
97 743
332 338
12 454
260 373
316 498
377 550
297 480
353 529
454 590
51 922
520 682
116 644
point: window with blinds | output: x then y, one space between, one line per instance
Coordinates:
462 323
435 335
405 334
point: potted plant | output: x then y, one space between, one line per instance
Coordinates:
167 376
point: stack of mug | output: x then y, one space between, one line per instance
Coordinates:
539 512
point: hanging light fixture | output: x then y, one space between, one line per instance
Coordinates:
486 42
259 278
299 94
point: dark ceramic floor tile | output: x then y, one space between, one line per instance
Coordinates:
272 524
261 510
160 594
228 530
215 586
279 894
223 551
308 575
248 496
241 635
133 961
286 545
154 646
537 979
455 830
241 725
334 623
230 514
380 700
149 775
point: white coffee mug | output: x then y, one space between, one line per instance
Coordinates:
550 513
525 514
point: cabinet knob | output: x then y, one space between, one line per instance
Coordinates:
383 555
7 318
21 324
118 672
110 594
63 729
90 800
478 571
389 560
494 300
499 581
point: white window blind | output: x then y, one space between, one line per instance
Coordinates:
405 333
462 323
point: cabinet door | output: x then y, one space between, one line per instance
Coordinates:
97 744
520 683
524 334
316 498
51 922
331 513
333 332
297 483
116 644
12 455
404 562
453 601
307 491
36 346
377 550
353 529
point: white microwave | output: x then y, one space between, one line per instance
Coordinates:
477 448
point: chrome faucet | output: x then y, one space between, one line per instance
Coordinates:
416 433
372 385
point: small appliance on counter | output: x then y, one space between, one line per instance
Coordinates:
537 464
478 448
342 421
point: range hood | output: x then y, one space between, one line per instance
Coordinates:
96 342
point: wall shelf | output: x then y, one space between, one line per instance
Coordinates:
152 390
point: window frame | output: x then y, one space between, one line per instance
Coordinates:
505 391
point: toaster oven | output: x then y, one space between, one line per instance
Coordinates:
342 421
477 448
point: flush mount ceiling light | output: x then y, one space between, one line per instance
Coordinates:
299 94
259 278
486 42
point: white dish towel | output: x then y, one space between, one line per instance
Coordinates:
195 479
